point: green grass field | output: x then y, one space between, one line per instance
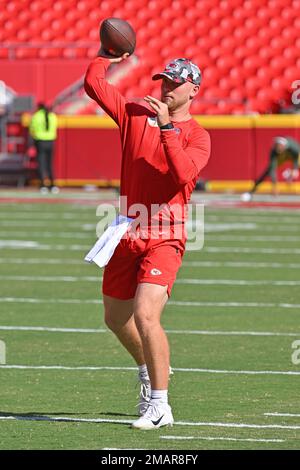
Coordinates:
231 322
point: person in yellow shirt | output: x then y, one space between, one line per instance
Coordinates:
43 130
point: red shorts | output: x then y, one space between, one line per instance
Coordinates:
138 261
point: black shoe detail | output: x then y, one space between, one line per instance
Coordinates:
155 423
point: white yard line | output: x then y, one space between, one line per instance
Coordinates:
189 264
288 415
30 244
127 421
14 217
237 264
205 282
255 219
209 438
237 282
250 238
229 249
56 234
92 232
180 303
54 261
46 216
180 332
175 369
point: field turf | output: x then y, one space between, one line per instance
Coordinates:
232 323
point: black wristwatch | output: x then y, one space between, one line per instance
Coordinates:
166 126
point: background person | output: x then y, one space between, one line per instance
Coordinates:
43 130
284 149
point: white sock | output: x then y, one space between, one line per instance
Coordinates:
159 396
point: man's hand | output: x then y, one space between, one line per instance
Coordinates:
161 110
112 59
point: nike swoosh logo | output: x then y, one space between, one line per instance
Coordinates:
155 423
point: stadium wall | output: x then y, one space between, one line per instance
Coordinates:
88 149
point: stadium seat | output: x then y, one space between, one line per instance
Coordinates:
50 53
27 53
237 95
291 74
225 63
279 64
252 86
210 75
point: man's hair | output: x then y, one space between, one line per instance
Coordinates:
42 106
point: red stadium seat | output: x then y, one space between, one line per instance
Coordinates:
265 34
225 107
241 34
291 74
240 53
237 95
266 53
252 86
50 53
227 25
253 44
264 13
252 63
237 76
210 75
198 107
225 63
291 53
253 24
215 52
279 64
278 23
265 74
27 53
289 13
228 43
279 87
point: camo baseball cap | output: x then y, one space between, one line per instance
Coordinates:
281 141
181 71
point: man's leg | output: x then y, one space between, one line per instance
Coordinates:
49 158
119 318
41 160
261 178
149 302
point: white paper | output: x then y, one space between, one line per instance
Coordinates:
104 248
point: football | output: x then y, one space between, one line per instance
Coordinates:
117 37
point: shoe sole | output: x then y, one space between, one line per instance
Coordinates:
143 428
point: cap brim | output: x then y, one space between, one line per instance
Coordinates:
158 76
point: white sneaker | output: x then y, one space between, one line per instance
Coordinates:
246 197
156 416
54 190
44 190
145 394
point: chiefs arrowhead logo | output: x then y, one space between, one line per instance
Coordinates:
155 272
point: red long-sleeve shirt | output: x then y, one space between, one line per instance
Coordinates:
157 166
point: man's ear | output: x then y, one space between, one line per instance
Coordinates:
194 91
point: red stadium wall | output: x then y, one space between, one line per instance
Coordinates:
88 148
